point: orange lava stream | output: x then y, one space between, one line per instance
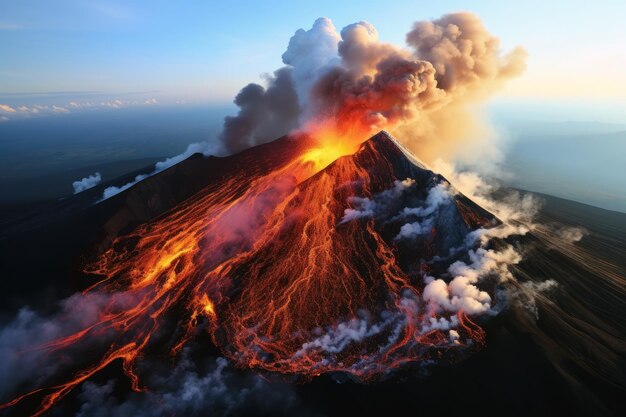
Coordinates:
267 264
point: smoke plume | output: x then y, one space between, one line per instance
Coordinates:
354 84
265 113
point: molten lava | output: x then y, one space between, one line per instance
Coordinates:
281 280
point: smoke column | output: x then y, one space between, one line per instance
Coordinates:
352 85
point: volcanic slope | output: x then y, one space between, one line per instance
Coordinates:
303 266
360 265
311 269
336 280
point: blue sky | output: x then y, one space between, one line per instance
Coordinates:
206 50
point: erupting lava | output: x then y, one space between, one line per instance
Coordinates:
302 269
329 147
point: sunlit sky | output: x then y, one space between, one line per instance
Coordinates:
206 50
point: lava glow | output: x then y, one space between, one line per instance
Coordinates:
264 264
330 147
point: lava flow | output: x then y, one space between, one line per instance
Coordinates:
303 269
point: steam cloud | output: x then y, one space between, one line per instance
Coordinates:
87 183
204 148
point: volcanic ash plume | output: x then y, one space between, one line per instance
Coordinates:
349 85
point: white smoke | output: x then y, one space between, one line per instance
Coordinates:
439 195
87 182
462 293
114 190
341 336
309 53
454 336
527 294
571 234
415 229
205 148
365 207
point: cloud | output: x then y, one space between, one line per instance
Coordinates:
60 109
86 183
73 106
7 108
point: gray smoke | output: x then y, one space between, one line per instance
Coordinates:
191 389
265 113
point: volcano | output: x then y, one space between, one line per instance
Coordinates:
299 261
